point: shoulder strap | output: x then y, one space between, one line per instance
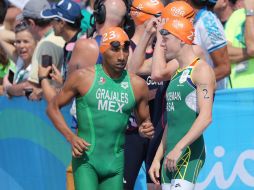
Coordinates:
98 40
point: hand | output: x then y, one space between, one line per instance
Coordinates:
150 26
78 145
56 75
172 158
146 129
36 94
154 172
42 71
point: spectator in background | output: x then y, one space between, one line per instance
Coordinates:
5 65
22 55
240 34
223 9
209 34
66 19
48 44
10 18
3 10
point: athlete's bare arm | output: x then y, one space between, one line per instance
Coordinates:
78 83
140 90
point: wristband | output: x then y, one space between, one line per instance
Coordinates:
249 12
42 78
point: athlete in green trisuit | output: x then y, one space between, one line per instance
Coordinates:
106 95
189 107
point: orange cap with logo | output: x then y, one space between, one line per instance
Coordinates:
180 27
143 10
178 9
112 34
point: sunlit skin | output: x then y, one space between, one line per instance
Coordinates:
115 60
25 45
171 45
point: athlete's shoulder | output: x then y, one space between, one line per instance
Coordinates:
86 44
81 73
139 86
203 72
137 80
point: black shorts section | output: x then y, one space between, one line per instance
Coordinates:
134 154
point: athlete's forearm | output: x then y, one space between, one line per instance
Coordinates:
138 56
57 118
237 55
197 129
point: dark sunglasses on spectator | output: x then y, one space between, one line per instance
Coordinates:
23 25
117 45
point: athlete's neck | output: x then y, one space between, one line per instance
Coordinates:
185 56
110 72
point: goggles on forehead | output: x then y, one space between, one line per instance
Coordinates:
117 44
137 9
164 32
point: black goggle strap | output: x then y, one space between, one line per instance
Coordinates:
137 9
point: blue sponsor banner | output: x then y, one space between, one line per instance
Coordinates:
34 155
230 143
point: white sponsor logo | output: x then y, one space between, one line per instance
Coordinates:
124 85
239 171
184 76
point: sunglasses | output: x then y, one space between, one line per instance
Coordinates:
23 25
164 32
137 9
116 45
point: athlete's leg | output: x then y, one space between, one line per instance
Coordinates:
85 176
112 183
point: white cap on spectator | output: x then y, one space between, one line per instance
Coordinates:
19 3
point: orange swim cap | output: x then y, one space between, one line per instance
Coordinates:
180 27
178 9
143 10
112 34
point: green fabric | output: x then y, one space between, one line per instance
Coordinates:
5 70
85 22
102 119
181 114
242 74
